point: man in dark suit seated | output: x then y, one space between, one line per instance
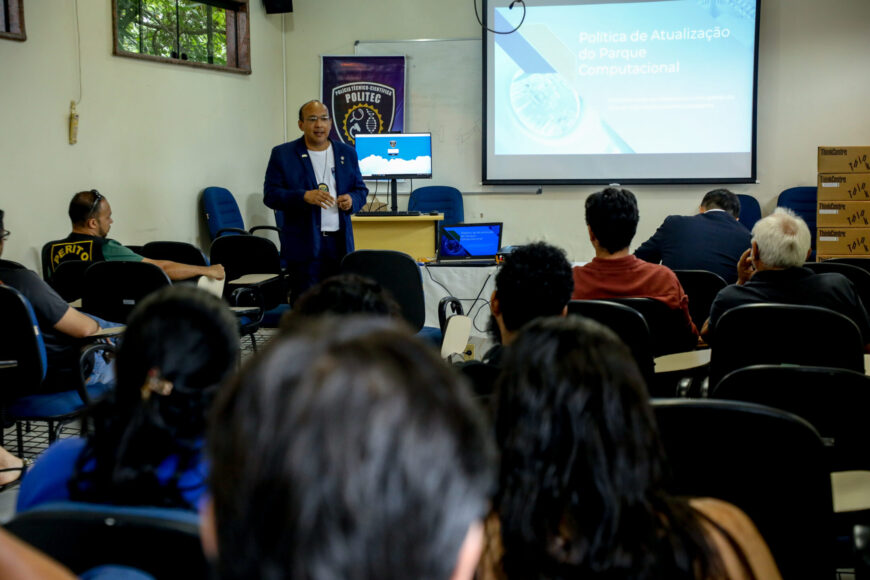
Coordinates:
772 271
611 217
712 240
91 217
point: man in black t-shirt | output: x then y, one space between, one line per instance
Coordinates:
60 325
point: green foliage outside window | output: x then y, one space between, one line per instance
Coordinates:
182 29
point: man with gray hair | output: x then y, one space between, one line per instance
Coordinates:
772 271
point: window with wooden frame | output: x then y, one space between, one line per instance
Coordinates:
206 33
12 20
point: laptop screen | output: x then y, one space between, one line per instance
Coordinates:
463 241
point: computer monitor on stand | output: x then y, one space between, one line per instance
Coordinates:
395 156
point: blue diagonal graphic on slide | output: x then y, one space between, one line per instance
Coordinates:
519 49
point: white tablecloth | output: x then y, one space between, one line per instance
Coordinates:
472 285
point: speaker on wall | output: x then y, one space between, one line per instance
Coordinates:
278 6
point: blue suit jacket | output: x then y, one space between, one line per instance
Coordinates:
288 176
710 241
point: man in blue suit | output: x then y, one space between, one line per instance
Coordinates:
316 183
711 240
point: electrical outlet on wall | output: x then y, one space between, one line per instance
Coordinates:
481 214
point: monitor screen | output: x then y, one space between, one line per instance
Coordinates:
470 240
395 155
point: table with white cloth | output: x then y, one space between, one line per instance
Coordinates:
472 285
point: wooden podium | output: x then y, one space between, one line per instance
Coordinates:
414 235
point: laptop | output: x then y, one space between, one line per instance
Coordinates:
470 244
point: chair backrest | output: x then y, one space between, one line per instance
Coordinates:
627 323
667 326
442 198
180 252
240 255
159 541
835 401
767 462
863 263
398 273
112 289
858 276
804 202
68 279
21 343
221 210
701 287
750 210
784 334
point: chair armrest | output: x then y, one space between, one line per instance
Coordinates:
248 296
8 364
86 352
222 231
273 228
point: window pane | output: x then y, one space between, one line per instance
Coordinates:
202 32
148 27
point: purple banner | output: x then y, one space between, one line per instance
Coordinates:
364 94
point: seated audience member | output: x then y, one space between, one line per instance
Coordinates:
61 326
534 280
91 217
611 217
581 479
347 449
711 240
147 444
772 271
341 295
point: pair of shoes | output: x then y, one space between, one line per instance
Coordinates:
26 463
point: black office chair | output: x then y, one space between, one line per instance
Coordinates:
244 255
68 280
180 252
162 542
769 463
628 324
835 401
755 334
863 263
22 352
398 273
667 326
858 276
701 287
112 289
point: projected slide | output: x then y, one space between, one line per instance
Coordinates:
395 155
630 91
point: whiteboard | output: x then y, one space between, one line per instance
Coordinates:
443 88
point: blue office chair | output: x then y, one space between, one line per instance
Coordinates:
804 202
447 200
223 215
23 366
750 210
162 542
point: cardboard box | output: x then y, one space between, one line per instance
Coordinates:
843 241
849 214
844 159
843 187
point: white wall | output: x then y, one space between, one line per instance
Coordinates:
151 135
814 78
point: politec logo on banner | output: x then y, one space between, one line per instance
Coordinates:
365 94
363 108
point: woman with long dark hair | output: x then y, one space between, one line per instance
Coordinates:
581 482
147 444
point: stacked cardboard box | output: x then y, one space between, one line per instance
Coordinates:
843 226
